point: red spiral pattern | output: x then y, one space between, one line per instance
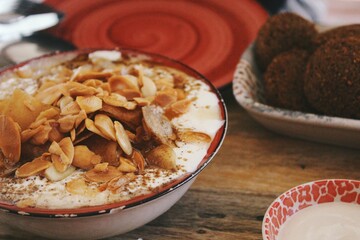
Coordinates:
208 35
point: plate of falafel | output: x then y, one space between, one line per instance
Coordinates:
303 80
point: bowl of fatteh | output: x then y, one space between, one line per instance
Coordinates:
104 139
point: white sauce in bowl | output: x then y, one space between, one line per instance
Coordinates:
326 221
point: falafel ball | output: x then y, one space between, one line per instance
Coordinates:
284 80
332 79
338 33
281 33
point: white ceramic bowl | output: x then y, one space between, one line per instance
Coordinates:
306 195
111 219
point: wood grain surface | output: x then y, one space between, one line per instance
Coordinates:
229 198
254 165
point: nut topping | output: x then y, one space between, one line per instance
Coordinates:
126 165
122 138
101 124
84 158
162 156
89 103
34 167
10 141
190 136
102 173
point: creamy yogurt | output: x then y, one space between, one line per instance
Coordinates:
326 221
204 116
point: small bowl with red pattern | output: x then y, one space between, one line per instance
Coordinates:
324 209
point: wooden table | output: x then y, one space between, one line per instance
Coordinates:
229 198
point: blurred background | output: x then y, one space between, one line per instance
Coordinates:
208 35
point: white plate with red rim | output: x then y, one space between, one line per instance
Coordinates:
248 91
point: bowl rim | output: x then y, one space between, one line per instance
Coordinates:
291 190
141 199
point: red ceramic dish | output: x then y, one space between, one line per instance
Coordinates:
162 191
208 35
306 195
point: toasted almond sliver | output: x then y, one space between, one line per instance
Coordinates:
80 118
116 183
62 154
59 165
139 160
105 125
29 133
126 165
102 176
55 148
27 103
41 136
143 101
68 149
55 134
105 87
149 88
123 82
65 100
165 98
84 158
180 93
93 75
69 122
140 73
90 125
164 83
162 156
32 168
101 167
122 138
178 108
130 94
66 123
79 187
89 103
50 94
53 175
190 136
93 83
130 118
73 135
71 108
50 113
82 91
115 101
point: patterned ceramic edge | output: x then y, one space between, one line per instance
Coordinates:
162 191
306 195
248 91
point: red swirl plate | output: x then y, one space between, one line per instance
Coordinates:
208 35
